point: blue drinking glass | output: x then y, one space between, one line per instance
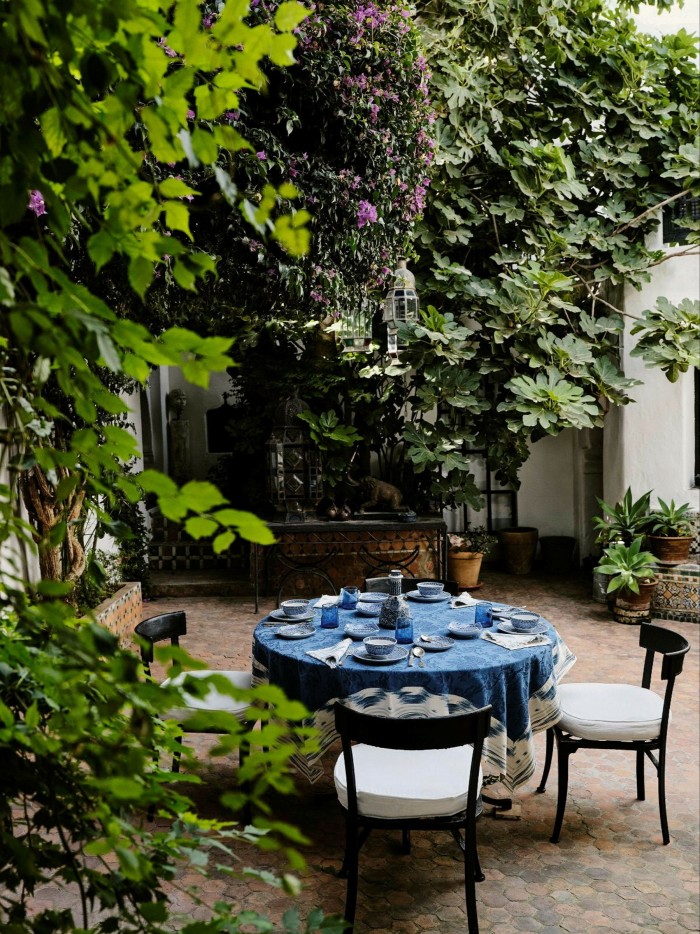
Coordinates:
484 615
329 617
348 598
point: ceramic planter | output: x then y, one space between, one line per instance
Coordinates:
464 567
670 550
518 547
634 608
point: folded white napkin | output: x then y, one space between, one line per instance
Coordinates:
326 600
333 655
464 599
517 640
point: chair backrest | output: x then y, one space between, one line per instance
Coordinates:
659 641
425 733
381 584
158 628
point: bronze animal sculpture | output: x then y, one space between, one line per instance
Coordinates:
375 492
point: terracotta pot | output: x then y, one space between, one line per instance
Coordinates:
464 567
634 608
670 549
518 547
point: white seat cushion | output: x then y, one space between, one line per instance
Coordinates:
610 711
213 699
401 783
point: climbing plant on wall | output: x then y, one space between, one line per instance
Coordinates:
562 130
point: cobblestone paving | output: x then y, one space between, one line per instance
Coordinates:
609 873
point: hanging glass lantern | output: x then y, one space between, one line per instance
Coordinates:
400 305
355 331
293 462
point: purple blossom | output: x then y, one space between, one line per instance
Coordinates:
208 20
36 203
191 114
366 214
262 155
171 53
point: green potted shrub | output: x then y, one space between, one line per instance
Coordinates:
623 522
670 532
632 580
466 552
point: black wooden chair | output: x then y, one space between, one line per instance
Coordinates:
619 716
170 627
411 775
381 584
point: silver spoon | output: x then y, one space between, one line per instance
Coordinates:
419 653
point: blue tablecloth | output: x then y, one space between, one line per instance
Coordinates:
521 685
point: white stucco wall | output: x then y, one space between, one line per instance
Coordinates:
649 444
546 494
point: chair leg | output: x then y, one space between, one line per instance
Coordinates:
640 775
405 841
350 865
547 761
661 771
563 774
471 867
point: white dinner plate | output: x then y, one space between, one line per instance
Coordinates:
505 626
283 618
398 653
438 598
302 631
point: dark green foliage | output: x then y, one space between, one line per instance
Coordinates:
561 129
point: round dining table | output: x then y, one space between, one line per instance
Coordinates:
520 684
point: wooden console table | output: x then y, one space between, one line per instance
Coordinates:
365 546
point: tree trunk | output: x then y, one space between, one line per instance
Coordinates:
66 561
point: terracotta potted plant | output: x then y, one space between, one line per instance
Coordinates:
669 536
465 554
631 581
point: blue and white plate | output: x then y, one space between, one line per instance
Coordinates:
300 631
438 598
398 653
283 618
436 643
361 630
464 630
373 596
506 626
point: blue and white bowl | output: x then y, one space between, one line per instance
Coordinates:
365 608
524 622
373 597
430 588
295 607
378 646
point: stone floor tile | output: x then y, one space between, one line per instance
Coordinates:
608 875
